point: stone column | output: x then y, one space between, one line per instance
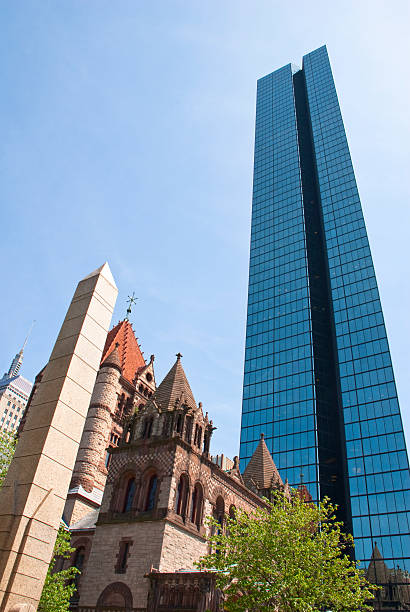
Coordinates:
34 492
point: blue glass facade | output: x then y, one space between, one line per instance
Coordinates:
318 378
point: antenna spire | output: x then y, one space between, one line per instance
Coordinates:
18 359
28 335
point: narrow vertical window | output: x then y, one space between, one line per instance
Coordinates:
196 505
122 556
129 495
147 428
151 493
182 496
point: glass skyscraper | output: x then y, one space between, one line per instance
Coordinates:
318 376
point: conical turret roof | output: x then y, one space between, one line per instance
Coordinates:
131 358
113 359
174 389
261 470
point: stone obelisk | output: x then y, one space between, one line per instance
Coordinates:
34 492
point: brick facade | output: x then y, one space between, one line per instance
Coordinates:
161 486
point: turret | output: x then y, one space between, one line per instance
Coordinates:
261 474
96 432
172 412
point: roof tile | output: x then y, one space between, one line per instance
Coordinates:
131 358
175 387
261 470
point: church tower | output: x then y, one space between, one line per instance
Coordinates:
161 486
124 384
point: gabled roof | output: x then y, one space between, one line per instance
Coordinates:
128 349
261 470
174 389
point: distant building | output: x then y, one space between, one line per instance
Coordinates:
224 462
14 394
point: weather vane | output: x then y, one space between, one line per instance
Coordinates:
131 301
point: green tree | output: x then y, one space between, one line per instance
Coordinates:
292 558
59 586
7 447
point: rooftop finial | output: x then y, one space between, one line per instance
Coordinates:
178 356
262 436
131 301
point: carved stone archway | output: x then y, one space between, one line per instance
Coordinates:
115 595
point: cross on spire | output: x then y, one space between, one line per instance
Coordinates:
131 301
178 356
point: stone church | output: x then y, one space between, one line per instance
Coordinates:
143 484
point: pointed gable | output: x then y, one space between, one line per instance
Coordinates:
261 470
377 571
129 352
174 389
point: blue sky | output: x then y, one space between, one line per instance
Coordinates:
127 136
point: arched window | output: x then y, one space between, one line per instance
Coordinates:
196 505
115 595
151 493
79 558
78 562
182 496
127 435
129 495
232 512
219 511
219 515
